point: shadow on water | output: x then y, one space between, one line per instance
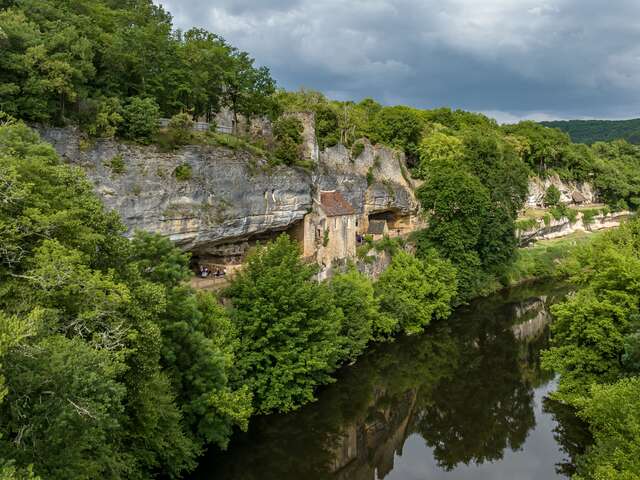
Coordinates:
464 400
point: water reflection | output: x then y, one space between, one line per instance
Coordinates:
464 398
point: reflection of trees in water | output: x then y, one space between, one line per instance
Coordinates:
571 433
488 406
465 386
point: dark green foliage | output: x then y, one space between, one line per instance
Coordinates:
588 216
116 164
592 131
179 129
552 196
77 61
141 119
288 134
399 127
113 368
357 150
288 327
183 172
362 320
327 126
415 291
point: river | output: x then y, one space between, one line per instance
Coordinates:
466 400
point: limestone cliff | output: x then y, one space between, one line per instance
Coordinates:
570 192
229 197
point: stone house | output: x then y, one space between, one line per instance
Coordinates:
330 232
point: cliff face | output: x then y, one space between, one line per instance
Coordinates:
538 187
229 196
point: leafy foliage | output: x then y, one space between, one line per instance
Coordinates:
288 327
134 381
415 291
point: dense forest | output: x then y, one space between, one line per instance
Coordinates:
592 131
111 367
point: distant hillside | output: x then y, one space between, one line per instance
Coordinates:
590 131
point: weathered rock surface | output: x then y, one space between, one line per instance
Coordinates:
564 227
230 196
538 187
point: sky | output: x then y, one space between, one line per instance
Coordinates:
509 59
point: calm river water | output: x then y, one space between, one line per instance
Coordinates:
466 400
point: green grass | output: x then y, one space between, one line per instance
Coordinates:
543 258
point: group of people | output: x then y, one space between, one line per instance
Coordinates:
218 272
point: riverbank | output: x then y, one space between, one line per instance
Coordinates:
404 407
543 258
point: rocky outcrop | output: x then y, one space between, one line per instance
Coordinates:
214 199
563 227
376 181
570 192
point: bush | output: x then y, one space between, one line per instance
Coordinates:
357 150
116 164
572 215
370 177
288 134
183 172
353 294
141 119
588 216
179 129
102 117
526 224
552 196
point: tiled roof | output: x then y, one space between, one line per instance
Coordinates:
377 227
335 205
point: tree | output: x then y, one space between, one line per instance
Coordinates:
398 127
248 89
417 291
353 293
141 119
288 134
613 415
288 327
438 148
552 196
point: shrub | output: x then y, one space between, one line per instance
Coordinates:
526 224
559 211
547 220
116 164
183 172
179 129
370 177
572 215
288 134
101 117
141 119
357 150
588 216
605 211
552 196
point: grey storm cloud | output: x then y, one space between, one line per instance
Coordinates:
509 58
